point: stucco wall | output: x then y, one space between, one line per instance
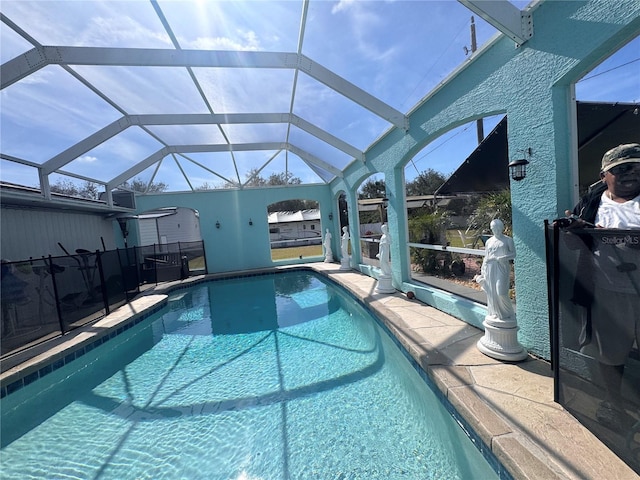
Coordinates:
236 245
532 84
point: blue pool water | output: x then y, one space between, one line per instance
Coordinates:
279 376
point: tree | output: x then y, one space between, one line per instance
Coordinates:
254 179
283 178
373 189
87 189
90 190
65 187
139 185
204 186
426 183
292 205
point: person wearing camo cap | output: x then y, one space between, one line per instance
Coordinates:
610 296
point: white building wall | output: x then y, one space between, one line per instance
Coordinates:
296 230
148 230
27 232
184 226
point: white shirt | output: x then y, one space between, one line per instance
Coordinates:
609 256
618 215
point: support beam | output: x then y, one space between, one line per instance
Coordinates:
34 59
312 160
503 15
137 168
123 123
22 66
173 149
356 94
85 145
326 137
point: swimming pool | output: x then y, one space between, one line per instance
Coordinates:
280 376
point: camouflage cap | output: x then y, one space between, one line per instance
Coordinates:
627 153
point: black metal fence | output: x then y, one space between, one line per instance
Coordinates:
594 281
48 297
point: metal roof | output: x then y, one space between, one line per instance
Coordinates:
299 216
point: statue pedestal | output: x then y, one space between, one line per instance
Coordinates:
345 263
328 259
384 284
500 340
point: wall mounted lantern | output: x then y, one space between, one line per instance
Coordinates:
217 224
250 222
518 168
330 216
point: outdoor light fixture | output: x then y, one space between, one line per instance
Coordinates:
217 224
330 216
518 168
250 222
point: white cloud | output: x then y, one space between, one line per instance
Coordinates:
342 5
365 22
41 77
122 31
248 42
87 159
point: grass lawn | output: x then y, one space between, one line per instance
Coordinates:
316 251
296 252
453 237
276 254
196 263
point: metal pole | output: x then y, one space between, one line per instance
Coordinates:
204 254
103 286
474 47
55 294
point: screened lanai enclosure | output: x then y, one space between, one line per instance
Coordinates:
209 95
338 116
134 99
236 109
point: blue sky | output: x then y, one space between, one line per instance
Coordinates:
395 50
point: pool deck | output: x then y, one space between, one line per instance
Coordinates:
509 405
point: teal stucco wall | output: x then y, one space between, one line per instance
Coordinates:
532 84
236 245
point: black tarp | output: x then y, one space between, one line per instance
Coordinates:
601 126
485 170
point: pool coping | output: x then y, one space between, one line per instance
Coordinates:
508 405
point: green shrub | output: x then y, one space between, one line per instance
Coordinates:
493 205
429 228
